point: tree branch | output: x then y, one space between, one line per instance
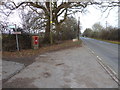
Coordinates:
61 12
35 11
39 6
65 15
15 6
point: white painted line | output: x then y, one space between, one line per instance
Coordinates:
112 70
113 76
92 52
99 58
115 79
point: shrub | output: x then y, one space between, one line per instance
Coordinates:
9 42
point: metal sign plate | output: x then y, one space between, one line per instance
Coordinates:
16 32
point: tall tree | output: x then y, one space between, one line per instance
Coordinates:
31 22
69 28
97 27
58 9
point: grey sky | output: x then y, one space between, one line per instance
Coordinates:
94 15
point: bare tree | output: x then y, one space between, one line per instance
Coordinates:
97 27
58 9
31 21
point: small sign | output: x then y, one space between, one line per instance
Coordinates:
12 26
16 32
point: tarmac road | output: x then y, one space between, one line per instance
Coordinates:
108 52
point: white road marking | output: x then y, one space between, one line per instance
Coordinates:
99 58
110 71
92 52
114 78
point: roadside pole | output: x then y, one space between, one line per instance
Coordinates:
51 38
78 28
106 25
17 38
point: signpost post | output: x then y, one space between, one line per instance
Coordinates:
16 33
17 39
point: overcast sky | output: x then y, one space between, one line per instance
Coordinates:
96 16
87 20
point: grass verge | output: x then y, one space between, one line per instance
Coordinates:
114 42
31 52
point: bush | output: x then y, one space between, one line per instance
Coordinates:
110 34
9 42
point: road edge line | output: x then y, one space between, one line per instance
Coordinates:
107 68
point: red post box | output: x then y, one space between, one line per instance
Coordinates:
35 42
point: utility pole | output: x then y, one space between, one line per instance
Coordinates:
51 38
78 28
106 25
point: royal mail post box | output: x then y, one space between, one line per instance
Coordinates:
35 42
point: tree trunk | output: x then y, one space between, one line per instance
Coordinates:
57 32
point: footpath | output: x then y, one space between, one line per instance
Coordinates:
69 68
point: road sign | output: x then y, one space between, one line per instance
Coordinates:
16 32
11 26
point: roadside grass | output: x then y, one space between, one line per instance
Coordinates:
43 49
114 42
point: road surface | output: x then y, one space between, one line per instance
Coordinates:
108 52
